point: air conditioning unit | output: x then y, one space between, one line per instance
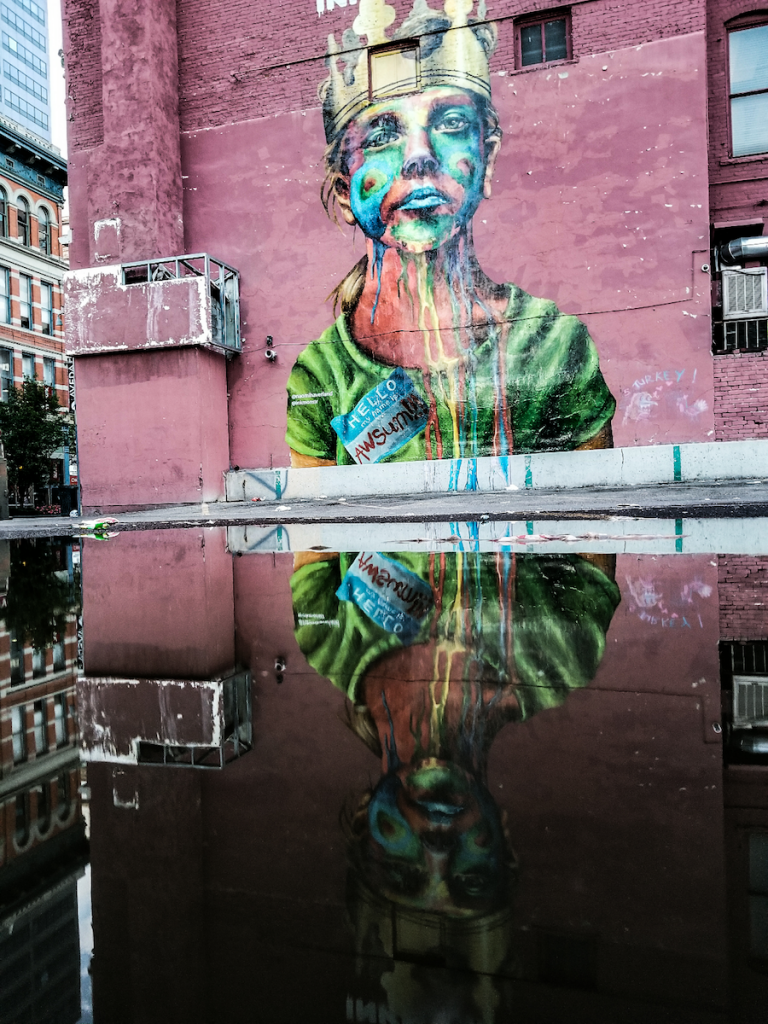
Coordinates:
745 293
750 701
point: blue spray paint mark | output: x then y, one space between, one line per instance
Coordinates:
676 463
529 529
471 475
528 472
378 258
679 535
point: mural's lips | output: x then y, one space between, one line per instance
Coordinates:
439 812
423 199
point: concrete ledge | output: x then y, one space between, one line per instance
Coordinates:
613 467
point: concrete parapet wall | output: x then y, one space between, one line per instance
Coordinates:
614 467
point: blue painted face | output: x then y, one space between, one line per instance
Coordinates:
417 167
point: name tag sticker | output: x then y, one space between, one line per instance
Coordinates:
389 594
383 420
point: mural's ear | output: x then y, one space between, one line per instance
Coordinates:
492 147
341 190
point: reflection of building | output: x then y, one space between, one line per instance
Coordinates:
743 586
42 844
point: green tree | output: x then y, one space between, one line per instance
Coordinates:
39 595
32 426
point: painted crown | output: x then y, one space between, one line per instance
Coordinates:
449 49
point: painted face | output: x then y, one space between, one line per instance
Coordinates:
416 167
435 840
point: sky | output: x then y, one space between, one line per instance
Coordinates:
58 114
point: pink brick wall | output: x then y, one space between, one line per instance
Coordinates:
743 589
235 65
741 396
736 185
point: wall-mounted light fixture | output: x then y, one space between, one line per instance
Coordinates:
269 353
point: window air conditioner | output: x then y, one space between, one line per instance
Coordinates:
745 293
750 701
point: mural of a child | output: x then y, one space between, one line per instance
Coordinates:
429 358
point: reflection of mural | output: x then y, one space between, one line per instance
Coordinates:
429 358
437 653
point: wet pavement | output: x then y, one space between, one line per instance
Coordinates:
498 771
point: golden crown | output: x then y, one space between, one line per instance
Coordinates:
440 47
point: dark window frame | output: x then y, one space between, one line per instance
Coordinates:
44 231
741 23
46 307
541 18
22 221
26 302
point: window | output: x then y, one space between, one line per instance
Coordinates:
544 38
49 373
37 12
29 110
28 365
25 82
22 221
60 719
22 27
393 70
3 213
46 313
5 296
6 373
25 300
19 734
24 55
44 230
748 66
63 795
41 732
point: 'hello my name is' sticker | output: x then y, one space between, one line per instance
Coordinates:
383 420
390 595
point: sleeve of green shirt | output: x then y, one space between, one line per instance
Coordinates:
558 396
310 411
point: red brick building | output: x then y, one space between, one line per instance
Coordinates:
32 178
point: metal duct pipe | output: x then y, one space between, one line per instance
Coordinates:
740 249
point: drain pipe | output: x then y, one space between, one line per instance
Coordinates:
741 249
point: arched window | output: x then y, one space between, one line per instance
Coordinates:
3 213
44 230
22 220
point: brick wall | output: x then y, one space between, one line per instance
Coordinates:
743 589
741 396
234 66
82 46
736 186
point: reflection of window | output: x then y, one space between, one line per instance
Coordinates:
22 819
41 733
60 719
748 66
393 70
19 733
544 38
43 794
17 659
58 653
758 894
38 662
63 795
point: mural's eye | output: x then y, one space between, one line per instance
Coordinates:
453 121
381 132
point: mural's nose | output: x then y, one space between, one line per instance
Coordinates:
419 160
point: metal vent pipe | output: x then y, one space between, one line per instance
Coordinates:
740 249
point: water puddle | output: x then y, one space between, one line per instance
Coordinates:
451 774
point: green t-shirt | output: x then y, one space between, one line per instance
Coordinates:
544 630
543 362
